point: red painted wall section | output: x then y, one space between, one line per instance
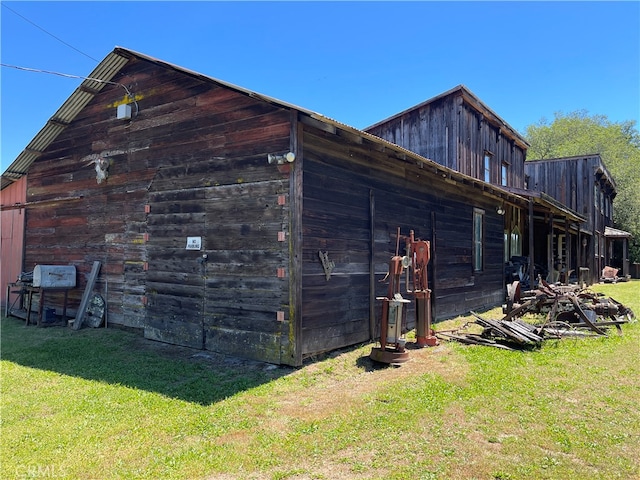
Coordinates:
12 223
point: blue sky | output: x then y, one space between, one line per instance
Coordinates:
356 62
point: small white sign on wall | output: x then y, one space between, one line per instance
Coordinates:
194 243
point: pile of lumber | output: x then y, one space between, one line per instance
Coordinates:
569 312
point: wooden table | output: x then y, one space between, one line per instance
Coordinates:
29 290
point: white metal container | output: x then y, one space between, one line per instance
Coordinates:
54 276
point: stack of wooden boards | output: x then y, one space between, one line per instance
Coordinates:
568 312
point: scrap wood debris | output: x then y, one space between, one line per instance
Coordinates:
570 312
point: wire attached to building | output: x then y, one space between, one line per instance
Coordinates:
69 75
130 95
49 33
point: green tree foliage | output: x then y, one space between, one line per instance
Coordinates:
618 144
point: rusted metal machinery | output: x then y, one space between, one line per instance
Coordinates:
420 256
392 322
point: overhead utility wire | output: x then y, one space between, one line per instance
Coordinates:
50 34
69 75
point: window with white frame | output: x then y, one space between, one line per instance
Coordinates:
516 242
503 174
487 167
478 239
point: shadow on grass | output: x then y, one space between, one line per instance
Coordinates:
125 358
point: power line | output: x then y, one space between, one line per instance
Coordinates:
50 34
68 75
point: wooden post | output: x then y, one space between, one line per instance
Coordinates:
295 245
531 249
550 245
434 266
372 266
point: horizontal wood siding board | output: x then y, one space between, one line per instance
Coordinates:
247 344
335 220
251 309
325 340
333 313
231 315
174 331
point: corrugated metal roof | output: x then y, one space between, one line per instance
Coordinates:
96 81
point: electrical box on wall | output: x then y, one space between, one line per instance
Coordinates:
124 112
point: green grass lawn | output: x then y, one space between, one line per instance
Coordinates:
107 404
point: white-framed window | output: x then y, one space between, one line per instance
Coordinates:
516 242
487 167
504 170
478 240
506 246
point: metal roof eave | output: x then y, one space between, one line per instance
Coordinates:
611 232
81 96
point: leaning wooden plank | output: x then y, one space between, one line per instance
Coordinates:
84 303
531 328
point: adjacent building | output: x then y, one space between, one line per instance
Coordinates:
583 184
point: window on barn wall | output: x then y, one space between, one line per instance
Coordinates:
478 239
503 174
516 242
602 202
506 246
487 167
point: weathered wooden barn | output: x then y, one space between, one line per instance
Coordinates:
230 221
456 129
583 184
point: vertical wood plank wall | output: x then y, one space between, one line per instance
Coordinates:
571 181
452 133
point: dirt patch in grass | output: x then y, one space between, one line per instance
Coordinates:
335 380
364 377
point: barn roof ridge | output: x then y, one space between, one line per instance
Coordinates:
108 68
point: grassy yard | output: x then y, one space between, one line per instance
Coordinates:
107 404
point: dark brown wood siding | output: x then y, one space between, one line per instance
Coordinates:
453 133
191 162
574 182
347 188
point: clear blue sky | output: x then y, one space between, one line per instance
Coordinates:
356 62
